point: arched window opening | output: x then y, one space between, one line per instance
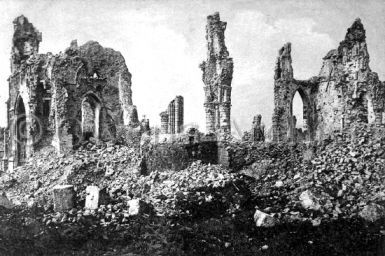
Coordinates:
21 132
90 117
298 122
298 111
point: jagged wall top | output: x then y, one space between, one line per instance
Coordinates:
345 92
26 39
283 67
215 37
356 33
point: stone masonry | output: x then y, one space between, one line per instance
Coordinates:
217 77
172 120
346 91
63 99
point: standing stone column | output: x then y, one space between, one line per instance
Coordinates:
178 114
283 78
171 117
217 77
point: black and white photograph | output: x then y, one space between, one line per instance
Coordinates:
192 127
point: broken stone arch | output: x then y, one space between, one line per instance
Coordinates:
306 106
91 119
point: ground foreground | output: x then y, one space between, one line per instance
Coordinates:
324 198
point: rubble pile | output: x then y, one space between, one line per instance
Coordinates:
298 187
339 178
91 164
115 170
199 189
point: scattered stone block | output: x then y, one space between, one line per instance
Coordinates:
92 198
63 197
263 219
309 201
372 212
134 207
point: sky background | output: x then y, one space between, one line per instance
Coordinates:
163 43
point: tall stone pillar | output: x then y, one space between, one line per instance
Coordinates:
171 117
283 78
217 77
179 114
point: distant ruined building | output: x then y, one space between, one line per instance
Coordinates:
64 99
172 120
345 91
217 77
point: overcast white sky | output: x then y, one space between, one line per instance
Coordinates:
163 43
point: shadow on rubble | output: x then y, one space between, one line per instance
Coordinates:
210 202
23 233
237 235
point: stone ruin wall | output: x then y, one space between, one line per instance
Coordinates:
346 91
47 93
217 77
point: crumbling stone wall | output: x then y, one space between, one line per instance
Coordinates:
47 95
217 77
345 91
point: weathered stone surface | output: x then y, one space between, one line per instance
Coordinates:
217 77
346 91
92 197
63 197
263 219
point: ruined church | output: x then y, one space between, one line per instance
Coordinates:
346 91
84 93
63 99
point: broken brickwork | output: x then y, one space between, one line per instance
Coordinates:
172 120
217 77
346 91
63 99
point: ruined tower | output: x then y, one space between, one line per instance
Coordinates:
345 92
217 77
